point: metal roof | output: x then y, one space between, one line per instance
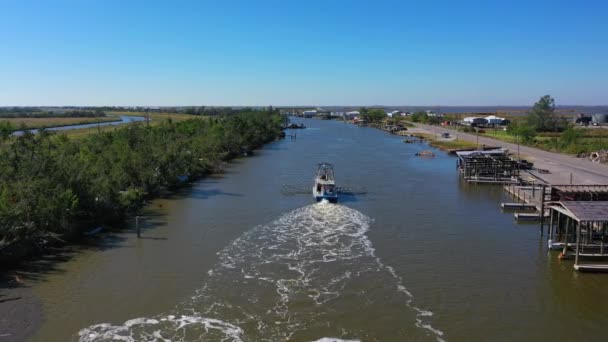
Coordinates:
585 210
581 188
482 152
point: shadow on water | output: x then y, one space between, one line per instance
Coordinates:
159 238
48 262
199 193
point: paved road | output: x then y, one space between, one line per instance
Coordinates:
561 165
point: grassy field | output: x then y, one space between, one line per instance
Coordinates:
30 123
591 139
155 119
160 117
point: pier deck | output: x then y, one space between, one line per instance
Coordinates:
591 267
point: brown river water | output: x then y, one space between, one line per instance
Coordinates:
411 254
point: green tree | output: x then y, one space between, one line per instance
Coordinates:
372 115
420 116
542 116
522 131
571 136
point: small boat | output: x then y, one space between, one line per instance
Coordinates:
426 153
325 184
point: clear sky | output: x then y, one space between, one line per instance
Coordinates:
95 52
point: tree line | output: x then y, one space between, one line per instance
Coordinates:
51 185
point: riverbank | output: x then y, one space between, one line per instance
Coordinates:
563 169
447 144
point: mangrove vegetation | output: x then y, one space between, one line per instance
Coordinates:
53 187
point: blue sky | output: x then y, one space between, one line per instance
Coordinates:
302 52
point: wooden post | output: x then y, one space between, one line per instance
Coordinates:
550 229
542 211
137 226
578 237
603 238
565 250
559 227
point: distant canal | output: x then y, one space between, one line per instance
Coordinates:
123 119
413 255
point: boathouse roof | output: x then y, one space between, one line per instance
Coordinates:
500 151
581 188
584 211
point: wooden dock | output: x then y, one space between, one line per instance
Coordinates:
528 217
530 195
518 206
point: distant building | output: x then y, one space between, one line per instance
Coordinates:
494 120
309 113
600 118
432 114
475 121
351 115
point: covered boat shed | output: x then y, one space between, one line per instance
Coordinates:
580 228
493 166
579 192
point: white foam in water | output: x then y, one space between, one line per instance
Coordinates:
275 281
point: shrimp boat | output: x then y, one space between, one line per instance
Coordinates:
325 184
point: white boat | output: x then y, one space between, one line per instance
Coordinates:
325 184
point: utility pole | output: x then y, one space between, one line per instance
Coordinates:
517 137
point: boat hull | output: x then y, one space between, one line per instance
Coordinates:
332 199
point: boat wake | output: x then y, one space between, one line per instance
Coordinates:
310 274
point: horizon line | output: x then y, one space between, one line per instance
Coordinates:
294 106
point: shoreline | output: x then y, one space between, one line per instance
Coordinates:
561 166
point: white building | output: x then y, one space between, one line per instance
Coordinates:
351 115
431 113
474 120
494 120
